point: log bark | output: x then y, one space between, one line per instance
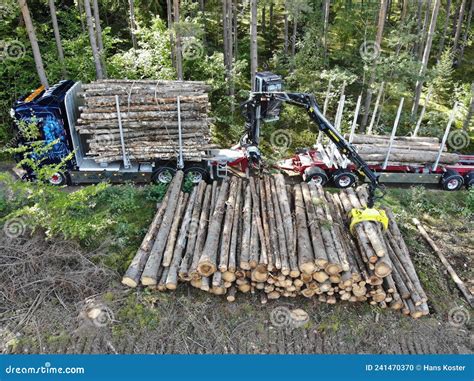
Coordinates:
154 260
173 236
202 232
236 230
207 263
305 253
246 231
228 224
191 236
279 225
320 256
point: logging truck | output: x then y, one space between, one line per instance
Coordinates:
57 112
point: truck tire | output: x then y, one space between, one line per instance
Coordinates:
451 180
196 174
469 180
163 175
344 179
58 179
315 175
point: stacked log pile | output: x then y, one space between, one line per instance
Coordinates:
149 117
261 234
405 150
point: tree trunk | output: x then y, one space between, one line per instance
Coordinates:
426 57
422 37
92 39
132 23
271 27
470 111
445 29
30 29
327 4
98 30
405 7
457 35
253 42
80 11
466 32
378 43
228 41
179 57
57 37
236 30
419 23
293 38
285 44
169 15
225 28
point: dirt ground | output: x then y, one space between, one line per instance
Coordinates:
54 310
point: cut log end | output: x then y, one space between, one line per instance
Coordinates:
129 282
206 268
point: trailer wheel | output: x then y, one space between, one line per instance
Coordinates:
344 179
315 175
163 175
451 180
58 179
196 174
469 180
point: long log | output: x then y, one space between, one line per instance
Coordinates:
279 225
244 262
191 235
412 157
135 269
173 236
320 256
236 231
446 264
228 222
149 275
207 263
305 252
202 232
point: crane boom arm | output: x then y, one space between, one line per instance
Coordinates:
252 109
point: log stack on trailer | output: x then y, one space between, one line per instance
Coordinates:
404 150
149 113
283 241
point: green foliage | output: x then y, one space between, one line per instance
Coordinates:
152 59
442 82
439 204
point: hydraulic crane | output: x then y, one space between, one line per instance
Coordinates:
265 105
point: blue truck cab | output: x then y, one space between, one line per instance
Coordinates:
45 108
